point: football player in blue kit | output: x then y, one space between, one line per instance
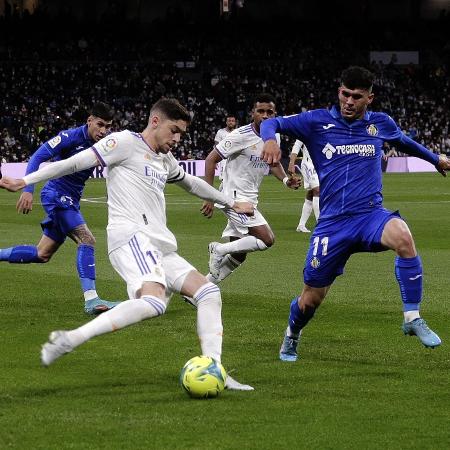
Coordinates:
345 144
61 201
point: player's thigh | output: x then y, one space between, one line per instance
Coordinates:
177 271
330 247
138 262
47 247
238 224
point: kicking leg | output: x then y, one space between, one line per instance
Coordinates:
25 254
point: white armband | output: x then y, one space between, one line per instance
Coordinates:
285 181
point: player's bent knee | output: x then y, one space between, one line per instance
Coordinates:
157 307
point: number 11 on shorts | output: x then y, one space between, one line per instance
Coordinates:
324 242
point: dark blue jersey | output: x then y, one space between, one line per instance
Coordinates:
346 155
66 144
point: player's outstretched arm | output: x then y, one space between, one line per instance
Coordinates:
292 181
443 165
12 184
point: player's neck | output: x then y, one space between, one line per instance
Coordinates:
149 140
256 128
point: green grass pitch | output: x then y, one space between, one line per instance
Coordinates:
359 383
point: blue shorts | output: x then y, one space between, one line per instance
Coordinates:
335 239
63 215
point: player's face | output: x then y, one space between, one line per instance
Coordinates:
262 111
98 128
231 123
167 133
354 102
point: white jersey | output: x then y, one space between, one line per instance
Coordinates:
245 168
221 135
136 180
310 177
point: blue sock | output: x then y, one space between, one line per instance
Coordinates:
86 266
298 319
21 254
408 272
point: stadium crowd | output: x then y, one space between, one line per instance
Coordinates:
49 84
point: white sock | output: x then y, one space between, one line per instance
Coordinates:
306 212
90 294
411 315
316 208
209 320
227 267
124 314
246 244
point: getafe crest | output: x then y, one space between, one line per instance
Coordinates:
315 263
372 130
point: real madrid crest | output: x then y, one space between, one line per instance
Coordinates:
372 130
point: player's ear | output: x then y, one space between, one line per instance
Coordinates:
371 97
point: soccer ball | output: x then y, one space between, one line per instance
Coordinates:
203 377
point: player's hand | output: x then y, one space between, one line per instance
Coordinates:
271 152
25 203
294 182
207 209
443 165
291 169
12 184
244 208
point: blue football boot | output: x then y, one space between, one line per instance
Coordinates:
288 350
418 327
97 306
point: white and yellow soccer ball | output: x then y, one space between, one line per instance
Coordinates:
203 377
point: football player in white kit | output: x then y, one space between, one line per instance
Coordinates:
243 175
220 136
141 248
310 183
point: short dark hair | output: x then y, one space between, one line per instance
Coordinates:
263 98
355 77
103 111
172 109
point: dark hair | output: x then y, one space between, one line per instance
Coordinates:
263 98
355 77
103 111
172 109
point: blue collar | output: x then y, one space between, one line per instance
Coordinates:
84 130
336 114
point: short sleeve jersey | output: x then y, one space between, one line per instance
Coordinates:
346 156
245 169
136 180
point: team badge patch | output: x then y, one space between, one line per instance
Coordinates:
227 144
315 263
109 144
54 142
372 130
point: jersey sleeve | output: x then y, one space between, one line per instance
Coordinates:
217 137
297 147
391 131
176 172
45 152
112 149
297 126
234 142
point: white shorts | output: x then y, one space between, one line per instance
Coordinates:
238 224
140 261
309 174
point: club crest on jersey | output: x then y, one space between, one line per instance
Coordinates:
227 144
315 262
54 141
372 130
